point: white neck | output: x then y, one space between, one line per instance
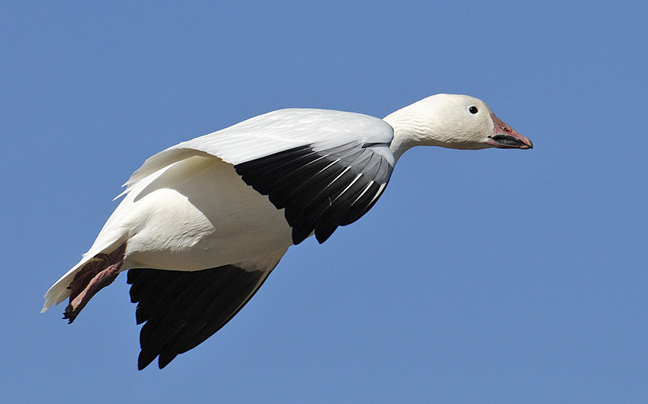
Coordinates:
408 130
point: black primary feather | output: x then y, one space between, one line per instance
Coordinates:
182 309
320 190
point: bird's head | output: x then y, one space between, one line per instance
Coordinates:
452 121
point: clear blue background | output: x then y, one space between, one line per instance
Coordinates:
490 276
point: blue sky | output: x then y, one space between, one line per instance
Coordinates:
490 276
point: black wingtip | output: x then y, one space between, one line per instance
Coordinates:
164 360
181 309
144 360
320 190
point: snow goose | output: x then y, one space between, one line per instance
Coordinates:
203 223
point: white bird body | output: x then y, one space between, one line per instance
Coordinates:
238 198
217 219
186 209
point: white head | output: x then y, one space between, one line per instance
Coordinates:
452 121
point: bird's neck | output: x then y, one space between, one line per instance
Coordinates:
408 132
401 143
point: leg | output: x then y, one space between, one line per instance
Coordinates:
95 276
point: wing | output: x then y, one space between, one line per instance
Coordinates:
182 309
325 168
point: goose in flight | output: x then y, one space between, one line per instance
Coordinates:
203 223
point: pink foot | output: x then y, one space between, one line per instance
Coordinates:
94 276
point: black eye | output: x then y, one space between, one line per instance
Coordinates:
473 109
